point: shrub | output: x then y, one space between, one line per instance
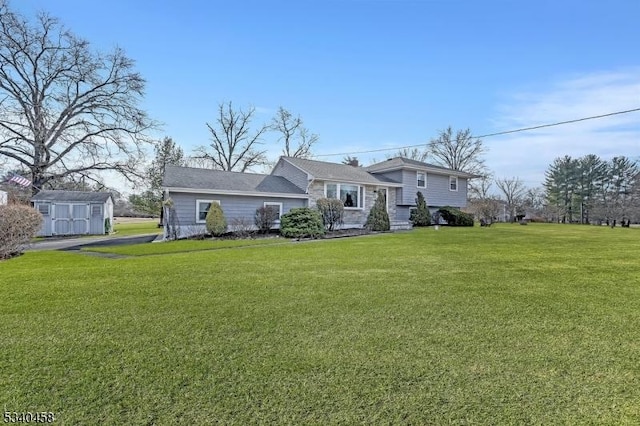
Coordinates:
265 218
241 227
301 222
332 211
456 217
18 224
378 219
216 223
420 216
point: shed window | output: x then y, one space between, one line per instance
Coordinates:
44 209
96 210
202 208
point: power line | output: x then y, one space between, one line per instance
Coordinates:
506 132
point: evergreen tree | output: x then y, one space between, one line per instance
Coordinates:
420 216
378 219
216 222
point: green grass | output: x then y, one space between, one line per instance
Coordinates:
512 324
149 226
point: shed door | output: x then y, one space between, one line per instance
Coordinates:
80 218
71 219
62 219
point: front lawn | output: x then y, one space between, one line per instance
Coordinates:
512 324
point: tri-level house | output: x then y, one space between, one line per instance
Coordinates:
297 182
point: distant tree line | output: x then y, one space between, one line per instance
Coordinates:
589 189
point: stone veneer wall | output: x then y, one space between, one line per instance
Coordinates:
356 218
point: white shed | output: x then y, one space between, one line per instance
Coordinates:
74 212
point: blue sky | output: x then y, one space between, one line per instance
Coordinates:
374 74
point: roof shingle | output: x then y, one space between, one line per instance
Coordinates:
207 179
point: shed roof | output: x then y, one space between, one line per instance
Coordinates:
72 196
207 179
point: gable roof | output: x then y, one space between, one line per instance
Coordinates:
72 196
322 170
397 163
223 181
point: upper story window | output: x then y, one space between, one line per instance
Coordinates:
202 208
352 196
453 183
422 180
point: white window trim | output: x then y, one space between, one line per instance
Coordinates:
456 180
362 193
48 206
198 202
274 203
425 180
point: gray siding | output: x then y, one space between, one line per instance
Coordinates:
234 207
292 174
437 192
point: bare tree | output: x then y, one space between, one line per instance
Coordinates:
297 139
234 147
412 154
513 190
65 109
481 188
458 152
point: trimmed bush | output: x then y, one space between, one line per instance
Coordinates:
420 216
378 219
265 218
216 223
18 225
455 217
301 222
332 211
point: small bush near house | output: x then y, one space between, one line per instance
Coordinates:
216 223
241 227
420 216
378 219
301 222
332 211
18 224
265 218
456 217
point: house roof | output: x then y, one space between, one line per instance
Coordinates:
397 163
337 172
72 196
207 179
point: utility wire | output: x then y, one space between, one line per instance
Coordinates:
506 132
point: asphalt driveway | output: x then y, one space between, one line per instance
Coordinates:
98 241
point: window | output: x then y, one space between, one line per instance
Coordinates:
276 207
202 208
96 210
453 183
352 196
43 209
422 180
